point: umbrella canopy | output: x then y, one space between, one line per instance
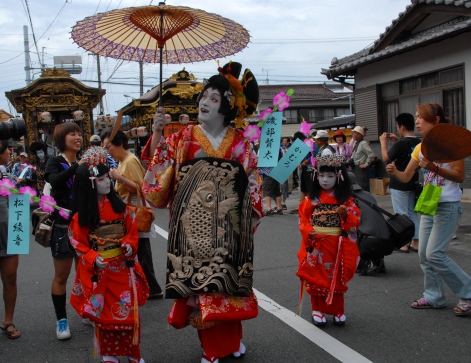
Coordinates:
184 34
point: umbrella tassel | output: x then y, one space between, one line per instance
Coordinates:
301 297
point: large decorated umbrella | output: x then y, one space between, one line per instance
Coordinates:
160 34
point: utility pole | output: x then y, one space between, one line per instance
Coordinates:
43 65
266 79
102 111
27 58
141 79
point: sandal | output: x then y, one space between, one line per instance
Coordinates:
463 307
206 359
422 303
11 334
318 318
339 320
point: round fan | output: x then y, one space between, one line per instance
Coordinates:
445 143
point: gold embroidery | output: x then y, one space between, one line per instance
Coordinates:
206 144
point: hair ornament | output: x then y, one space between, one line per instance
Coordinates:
333 160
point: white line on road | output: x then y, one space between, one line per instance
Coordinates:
331 345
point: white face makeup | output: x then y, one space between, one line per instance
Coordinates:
40 154
209 108
103 185
327 180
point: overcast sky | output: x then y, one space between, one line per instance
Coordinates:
290 40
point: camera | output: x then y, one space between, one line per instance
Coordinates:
14 127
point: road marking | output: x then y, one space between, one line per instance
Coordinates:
323 340
331 345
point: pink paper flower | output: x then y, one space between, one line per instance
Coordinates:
30 191
7 187
239 149
264 114
305 128
309 143
64 213
281 101
47 203
252 133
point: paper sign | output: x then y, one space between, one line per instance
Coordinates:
18 224
270 140
290 161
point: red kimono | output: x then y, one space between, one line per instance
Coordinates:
109 297
329 261
159 186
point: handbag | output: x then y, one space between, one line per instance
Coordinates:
42 227
400 225
144 215
222 307
428 199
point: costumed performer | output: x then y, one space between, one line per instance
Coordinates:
216 205
39 148
109 283
328 257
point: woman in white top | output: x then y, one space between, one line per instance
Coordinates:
437 231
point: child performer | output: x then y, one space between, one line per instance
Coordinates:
109 283
328 257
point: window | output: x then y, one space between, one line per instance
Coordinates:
320 114
453 105
445 87
291 116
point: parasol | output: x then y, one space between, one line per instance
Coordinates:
445 143
160 34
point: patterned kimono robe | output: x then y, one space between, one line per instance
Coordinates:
159 188
106 296
328 261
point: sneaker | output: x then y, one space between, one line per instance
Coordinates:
365 267
62 329
379 266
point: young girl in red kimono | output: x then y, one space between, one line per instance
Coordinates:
109 283
328 220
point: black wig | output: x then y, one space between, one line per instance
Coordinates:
39 145
342 188
85 197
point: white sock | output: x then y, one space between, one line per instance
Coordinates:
318 316
107 358
341 318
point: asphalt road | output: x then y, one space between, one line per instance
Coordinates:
381 327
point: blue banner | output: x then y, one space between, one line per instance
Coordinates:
290 161
270 140
18 224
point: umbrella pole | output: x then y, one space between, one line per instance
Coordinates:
160 92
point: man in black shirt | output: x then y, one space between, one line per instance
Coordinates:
402 194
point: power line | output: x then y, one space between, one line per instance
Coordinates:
32 29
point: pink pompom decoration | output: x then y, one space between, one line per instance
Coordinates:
309 143
47 203
7 187
281 101
64 213
264 114
30 191
252 133
305 128
239 149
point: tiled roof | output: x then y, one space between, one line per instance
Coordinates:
338 121
369 55
301 92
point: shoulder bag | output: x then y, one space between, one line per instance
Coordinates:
42 227
401 226
144 214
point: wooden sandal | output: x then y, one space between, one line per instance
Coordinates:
11 334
